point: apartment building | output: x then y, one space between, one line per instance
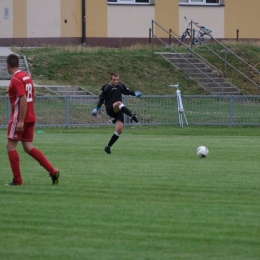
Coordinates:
120 22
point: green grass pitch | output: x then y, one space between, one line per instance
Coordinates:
152 198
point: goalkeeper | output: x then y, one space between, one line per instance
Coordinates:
111 95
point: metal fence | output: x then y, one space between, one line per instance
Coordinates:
69 111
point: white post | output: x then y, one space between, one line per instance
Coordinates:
180 108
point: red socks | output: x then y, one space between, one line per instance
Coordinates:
42 160
15 166
37 155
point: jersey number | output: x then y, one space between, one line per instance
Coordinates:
29 96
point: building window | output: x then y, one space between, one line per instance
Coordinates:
129 1
200 2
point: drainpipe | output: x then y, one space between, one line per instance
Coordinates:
84 22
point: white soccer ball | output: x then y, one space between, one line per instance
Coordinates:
202 151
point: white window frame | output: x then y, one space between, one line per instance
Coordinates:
129 2
204 2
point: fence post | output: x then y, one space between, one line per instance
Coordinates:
8 110
150 38
192 35
124 102
67 113
237 34
231 112
225 63
188 65
170 37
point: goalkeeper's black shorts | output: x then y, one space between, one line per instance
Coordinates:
118 116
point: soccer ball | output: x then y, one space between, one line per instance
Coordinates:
202 151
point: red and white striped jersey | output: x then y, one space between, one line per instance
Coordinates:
21 84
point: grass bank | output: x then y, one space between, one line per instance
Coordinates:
138 67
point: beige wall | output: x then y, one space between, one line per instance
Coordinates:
136 20
67 17
6 25
20 18
129 21
211 17
167 15
96 18
243 15
77 18
43 18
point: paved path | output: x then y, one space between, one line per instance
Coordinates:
4 83
5 51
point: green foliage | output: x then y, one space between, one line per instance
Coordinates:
152 198
138 68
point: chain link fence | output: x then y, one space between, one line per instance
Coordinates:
69 111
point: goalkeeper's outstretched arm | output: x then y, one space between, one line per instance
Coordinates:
128 91
99 105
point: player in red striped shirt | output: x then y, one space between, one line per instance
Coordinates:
22 94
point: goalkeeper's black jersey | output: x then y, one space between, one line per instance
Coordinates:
111 94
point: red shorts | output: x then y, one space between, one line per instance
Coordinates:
25 136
